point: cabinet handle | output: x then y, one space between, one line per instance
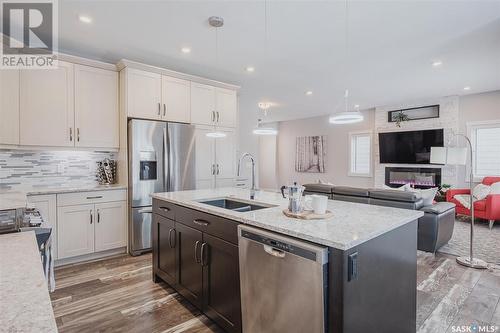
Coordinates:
201 222
198 261
95 197
218 169
165 209
91 217
98 216
159 109
164 109
213 116
202 255
78 134
213 169
170 238
71 134
217 116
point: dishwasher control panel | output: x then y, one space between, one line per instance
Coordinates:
279 245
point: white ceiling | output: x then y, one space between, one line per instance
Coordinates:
393 44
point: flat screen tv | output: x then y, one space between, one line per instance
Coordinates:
413 147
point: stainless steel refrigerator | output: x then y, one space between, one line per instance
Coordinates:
161 158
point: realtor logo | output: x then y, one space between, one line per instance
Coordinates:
29 34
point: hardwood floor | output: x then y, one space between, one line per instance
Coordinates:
118 295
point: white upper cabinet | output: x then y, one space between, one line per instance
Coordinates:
9 106
143 94
176 99
47 106
205 157
202 104
226 107
96 107
225 155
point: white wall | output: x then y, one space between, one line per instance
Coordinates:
247 141
337 147
476 107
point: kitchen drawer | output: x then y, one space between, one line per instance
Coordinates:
80 198
214 225
165 209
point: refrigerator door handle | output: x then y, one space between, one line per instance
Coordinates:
166 167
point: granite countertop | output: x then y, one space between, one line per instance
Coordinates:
25 303
17 199
351 224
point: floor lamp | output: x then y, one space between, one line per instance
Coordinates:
458 156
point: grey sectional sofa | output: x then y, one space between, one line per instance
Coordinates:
435 228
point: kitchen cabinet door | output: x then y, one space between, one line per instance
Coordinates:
189 265
225 155
9 106
96 107
202 104
204 156
226 107
176 98
110 226
75 234
47 106
143 94
166 248
46 204
221 283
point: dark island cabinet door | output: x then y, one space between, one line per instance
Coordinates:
167 253
221 283
189 264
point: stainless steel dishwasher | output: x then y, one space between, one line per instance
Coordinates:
283 283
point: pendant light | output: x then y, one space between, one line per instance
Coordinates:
346 117
262 129
216 22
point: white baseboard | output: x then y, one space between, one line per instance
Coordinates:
90 257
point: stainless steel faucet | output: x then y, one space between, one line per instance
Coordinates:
253 189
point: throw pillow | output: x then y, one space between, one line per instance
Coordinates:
495 188
405 187
480 192
426 195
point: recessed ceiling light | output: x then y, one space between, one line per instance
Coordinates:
309 93
85 19
467 88
186 50
437 63
250 69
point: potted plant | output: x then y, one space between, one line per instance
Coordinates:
400 117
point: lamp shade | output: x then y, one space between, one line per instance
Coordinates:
457 156
450 156
438 155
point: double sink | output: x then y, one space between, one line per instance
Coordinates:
235 205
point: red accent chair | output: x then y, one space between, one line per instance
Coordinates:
488 209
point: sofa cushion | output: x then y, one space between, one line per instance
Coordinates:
352 191
319 188
395 195
480 204
438 208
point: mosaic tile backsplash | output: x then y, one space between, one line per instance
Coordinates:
21 170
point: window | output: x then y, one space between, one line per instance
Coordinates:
485 138
360 154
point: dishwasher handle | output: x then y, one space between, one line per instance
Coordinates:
274 252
